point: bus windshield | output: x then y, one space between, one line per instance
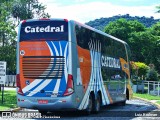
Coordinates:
44 30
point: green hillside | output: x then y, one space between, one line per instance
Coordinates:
102 22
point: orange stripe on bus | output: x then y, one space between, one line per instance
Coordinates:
85 65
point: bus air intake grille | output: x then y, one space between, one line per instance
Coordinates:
43 67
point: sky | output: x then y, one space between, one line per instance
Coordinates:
88 10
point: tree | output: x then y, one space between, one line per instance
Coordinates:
155 31
8 54
119 28
7 28
158 7
131 32
152 74
122 28
28 9
7 35
142 45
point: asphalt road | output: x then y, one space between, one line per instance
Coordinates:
134 109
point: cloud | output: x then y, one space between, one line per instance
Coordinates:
132 0
93 10
79 0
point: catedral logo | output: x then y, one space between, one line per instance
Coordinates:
31 29
110 62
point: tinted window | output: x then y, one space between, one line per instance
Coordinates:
83 36
44 30
111 51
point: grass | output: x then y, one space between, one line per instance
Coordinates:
10 100
158 102
146 96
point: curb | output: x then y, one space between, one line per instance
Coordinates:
16 109
155 104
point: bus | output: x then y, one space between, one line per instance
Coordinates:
65 65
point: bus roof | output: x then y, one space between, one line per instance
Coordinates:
84 25
44 19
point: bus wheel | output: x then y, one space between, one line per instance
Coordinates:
127 94
97 105
122 103
90 105
42 112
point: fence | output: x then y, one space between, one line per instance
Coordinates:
10 81
150 87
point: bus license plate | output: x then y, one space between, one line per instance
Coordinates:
43 101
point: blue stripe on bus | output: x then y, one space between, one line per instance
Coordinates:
50 87
63 44
63 83
62 86
57 47
54 60
60 50
32 89
51 46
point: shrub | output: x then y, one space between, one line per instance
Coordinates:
152 75
142 69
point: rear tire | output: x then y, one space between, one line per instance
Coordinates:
97 105
127 94
42 112
123 103
90 105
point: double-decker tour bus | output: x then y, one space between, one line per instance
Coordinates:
65 65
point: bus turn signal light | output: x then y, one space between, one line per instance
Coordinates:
19 91
69 88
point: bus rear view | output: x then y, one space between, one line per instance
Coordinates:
42 65
65 65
